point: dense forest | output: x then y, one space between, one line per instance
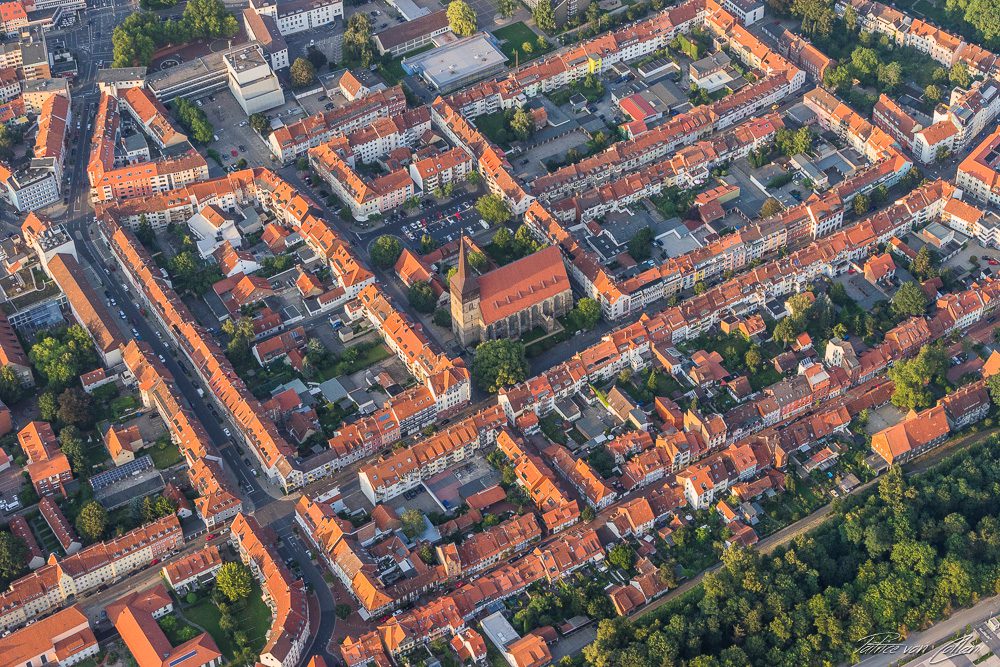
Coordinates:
907 553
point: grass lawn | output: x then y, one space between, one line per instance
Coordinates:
254 619
44 534
391 69
494 126
368 354
513 36
164 454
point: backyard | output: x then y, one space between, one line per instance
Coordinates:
251 617
514 36
164 453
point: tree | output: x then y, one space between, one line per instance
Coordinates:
522 124
586 313
753 358
924 265
908 301
342 610
208 18
92 521
71 444
235 581
817 16
194 120
144 232
640 246
413 522
316 57
506 8
622 556
356 44
259 123
499 363
851 18
386 250
303 73
76 407
503 239
421 296
984 16
860 204
914 378
864 60
61 355
13 557
993 384
527 48
793 143
473 178
11 389
932 93
442 318
240 334
890 75
544 16
771 206
461 18
494 210
48 406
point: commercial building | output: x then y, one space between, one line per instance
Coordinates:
252 81
458 63
298 15
400 39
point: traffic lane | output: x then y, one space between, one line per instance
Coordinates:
285 527
208 416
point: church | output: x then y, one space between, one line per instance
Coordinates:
510 301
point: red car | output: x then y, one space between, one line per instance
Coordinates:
992 262
211 537
155 561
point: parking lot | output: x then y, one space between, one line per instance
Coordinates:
444 222
234 133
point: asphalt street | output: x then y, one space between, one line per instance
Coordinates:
90 41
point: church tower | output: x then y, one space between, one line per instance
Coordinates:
465 313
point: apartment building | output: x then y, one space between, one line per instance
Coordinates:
299 15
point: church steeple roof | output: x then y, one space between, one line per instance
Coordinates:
465 282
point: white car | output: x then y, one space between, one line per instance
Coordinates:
162 358
227 432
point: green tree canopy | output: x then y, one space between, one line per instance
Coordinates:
494 210
303 73
544 16
421 296
13 558
909 300
640 246
914 378
586 313
413 522
11 389
62 355
499 363
235 581
386 250
357 41
92 521
461 18
771 206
